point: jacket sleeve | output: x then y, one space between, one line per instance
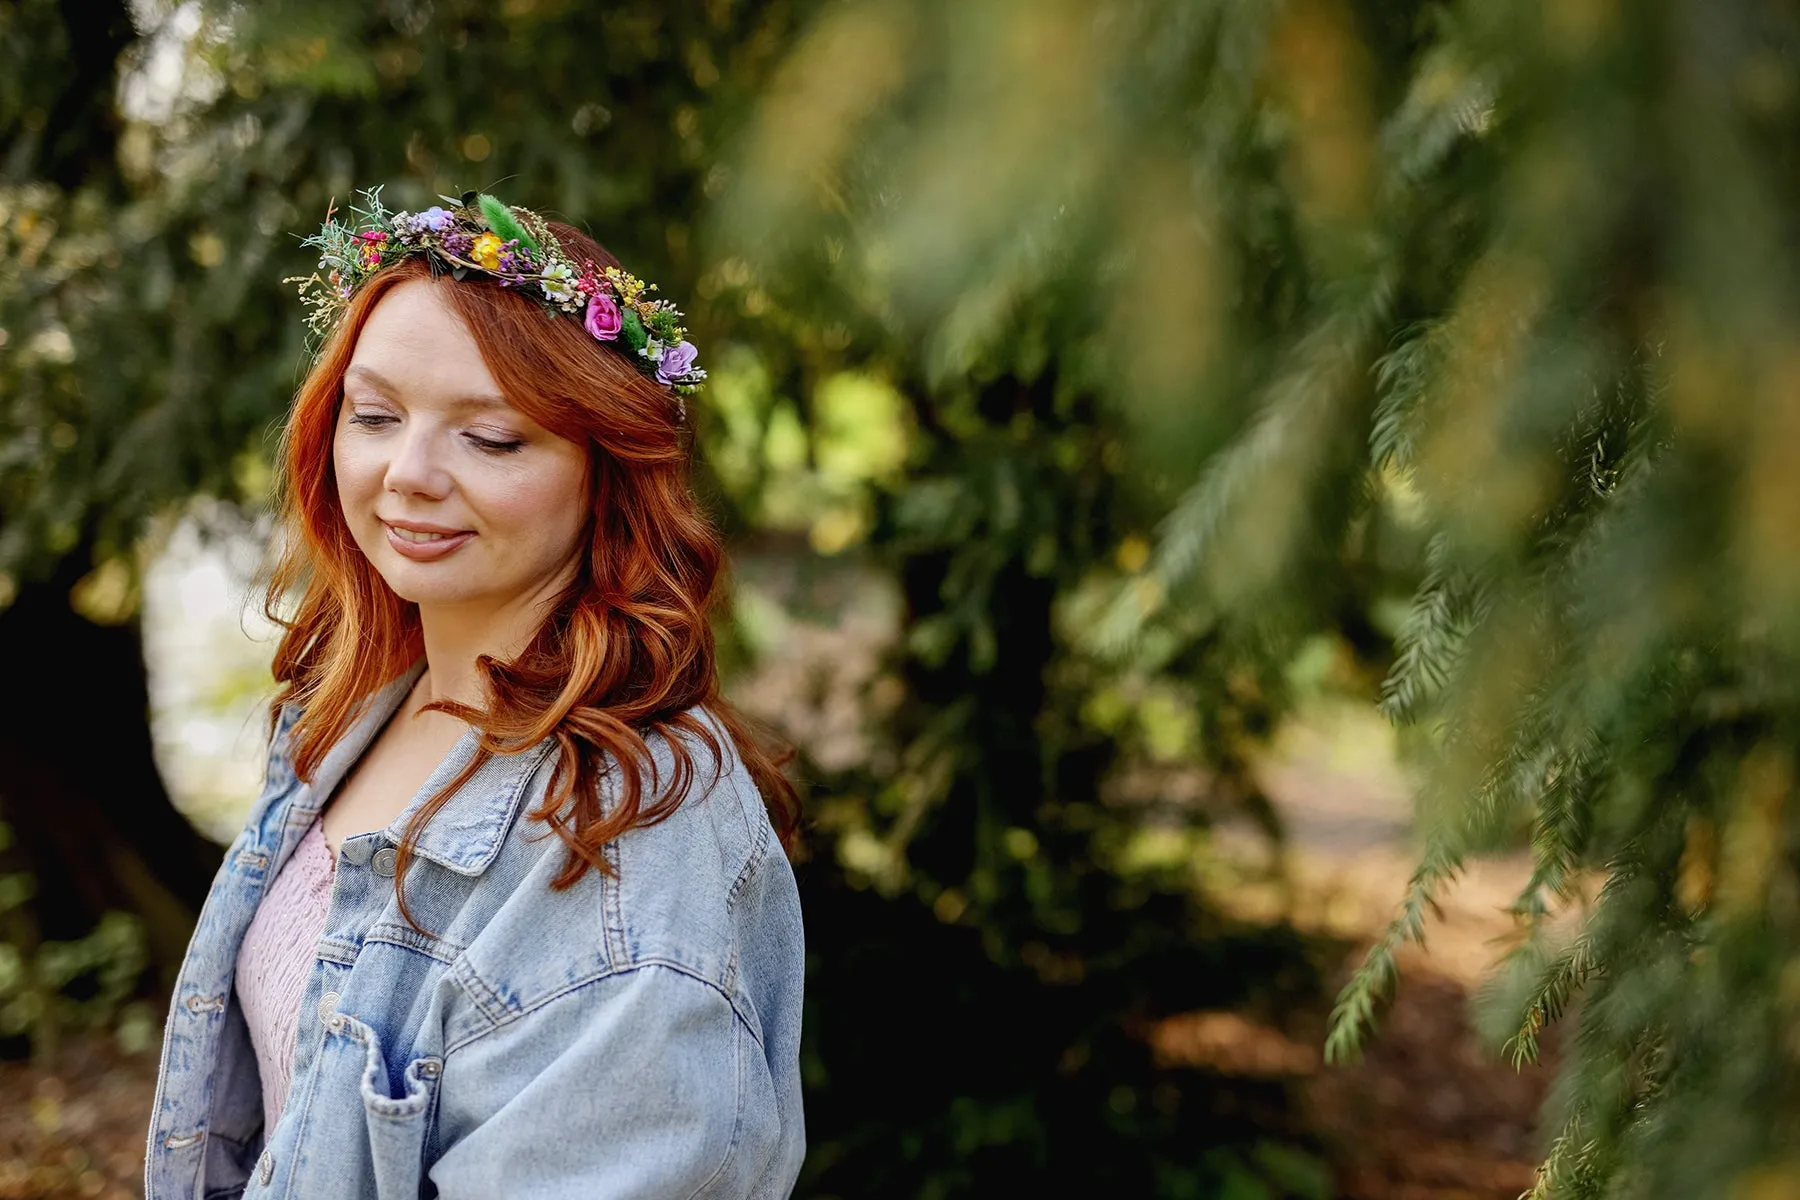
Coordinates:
644 1083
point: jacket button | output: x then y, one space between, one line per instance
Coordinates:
383 862
265 1167
327 1005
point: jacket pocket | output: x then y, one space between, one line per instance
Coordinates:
397 1124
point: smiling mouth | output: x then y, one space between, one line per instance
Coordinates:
417 537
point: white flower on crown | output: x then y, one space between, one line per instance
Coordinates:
558 283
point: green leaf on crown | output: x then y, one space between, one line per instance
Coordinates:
505 226
634 330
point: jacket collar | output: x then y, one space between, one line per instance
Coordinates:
466 834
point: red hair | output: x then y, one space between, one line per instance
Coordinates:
623 653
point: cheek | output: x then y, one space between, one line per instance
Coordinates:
358 474
545 506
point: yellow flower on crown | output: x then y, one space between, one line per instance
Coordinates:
628 286
485 253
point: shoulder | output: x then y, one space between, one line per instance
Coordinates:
718 823
705 892
278 767
281 741
680 881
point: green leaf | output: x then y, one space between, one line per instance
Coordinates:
634 330
503 223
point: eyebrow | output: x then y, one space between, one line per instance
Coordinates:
475 400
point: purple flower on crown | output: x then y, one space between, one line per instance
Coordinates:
604 320
434 219
676 361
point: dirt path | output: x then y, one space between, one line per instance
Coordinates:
76 1130
1430 1111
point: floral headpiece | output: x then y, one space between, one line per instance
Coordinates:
514 246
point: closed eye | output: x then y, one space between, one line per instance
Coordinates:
370 419
495 447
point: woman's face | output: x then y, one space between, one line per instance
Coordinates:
457 498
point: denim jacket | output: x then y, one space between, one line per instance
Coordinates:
632 1036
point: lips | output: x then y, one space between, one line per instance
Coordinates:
425 543
418 537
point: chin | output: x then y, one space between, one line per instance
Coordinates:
419 587
430 583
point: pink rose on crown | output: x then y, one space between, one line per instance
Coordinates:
604 320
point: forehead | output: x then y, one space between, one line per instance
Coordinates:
415 345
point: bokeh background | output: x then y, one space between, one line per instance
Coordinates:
1274 526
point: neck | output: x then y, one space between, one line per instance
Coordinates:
457 635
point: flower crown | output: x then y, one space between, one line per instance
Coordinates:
514 246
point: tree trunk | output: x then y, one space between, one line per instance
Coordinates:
79 787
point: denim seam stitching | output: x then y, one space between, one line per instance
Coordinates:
390 933
758 852
341 951
613 899
737 1116
481 994
170 1035
305 1112
151 1140
514 1015
527 771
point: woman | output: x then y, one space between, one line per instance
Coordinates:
511 916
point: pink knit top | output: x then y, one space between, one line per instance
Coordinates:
273 961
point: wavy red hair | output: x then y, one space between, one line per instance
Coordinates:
622 654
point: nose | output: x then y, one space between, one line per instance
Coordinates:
416 468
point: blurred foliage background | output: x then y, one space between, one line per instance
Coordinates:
1134 354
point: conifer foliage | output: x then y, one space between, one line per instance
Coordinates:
1600 419
1517 277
